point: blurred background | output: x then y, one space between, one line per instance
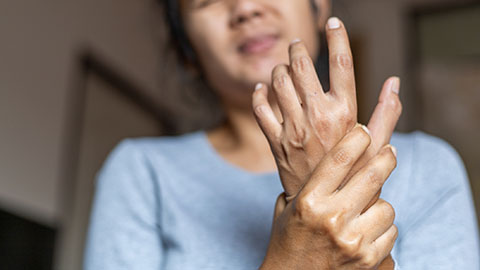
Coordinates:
76 77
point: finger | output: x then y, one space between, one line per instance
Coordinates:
386 114
264 114
382 246
369 180
342 76
286 94
336 164
376 220
304 75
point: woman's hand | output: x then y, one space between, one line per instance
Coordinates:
323 227
313 121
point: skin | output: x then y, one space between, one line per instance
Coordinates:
319 230
303 127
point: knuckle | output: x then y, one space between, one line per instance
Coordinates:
315 217
342 60
351 246
331 223
277 136
304 207
259 111
369 260
301 64
298 137
342 157
280 80
373 178
396 105
346 114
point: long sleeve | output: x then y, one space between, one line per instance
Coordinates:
124 230
442 227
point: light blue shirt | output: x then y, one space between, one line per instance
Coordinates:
174 203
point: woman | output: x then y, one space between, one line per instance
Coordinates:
205 200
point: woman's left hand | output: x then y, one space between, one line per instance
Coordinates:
313 121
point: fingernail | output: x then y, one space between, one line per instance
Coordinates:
394 150
297 40
366 129
333 23
395 85
258 86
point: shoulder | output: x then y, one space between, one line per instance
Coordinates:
149 155
131 149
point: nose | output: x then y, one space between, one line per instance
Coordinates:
244 11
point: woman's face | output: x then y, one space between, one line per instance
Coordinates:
239 42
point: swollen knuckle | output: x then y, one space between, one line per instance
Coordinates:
330 224
259 111
351 246
304 208
298 136
301 64
342 60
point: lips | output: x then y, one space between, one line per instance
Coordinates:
258 44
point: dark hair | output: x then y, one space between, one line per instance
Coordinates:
177 30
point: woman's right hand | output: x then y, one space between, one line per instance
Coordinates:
324 227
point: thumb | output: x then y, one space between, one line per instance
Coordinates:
386 114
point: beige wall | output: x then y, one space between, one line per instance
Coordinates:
39 43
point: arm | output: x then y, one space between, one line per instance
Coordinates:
123 232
